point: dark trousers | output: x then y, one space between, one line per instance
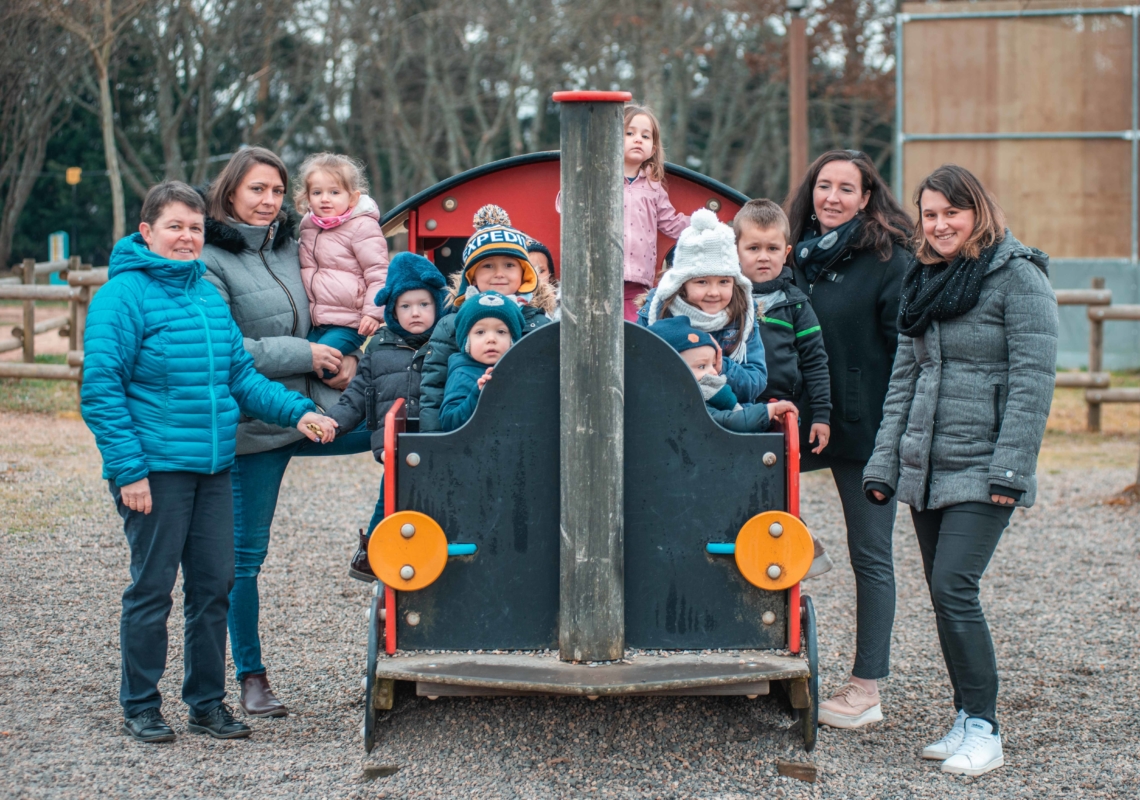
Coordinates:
870 536
957 544
191 524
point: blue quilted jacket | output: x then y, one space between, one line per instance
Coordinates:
165 370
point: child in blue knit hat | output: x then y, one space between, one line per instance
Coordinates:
703 356
413 298
485 328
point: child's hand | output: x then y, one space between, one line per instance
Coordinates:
719 358
821 432
486 376
780 408
368 326
317 427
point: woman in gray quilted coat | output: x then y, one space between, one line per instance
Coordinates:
962 425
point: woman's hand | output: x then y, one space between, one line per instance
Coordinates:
1002 500
486 376
882 498
822 433
136 496
318 427
325 358
368 326
347 372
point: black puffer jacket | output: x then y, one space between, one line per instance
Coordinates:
390 369
793 349
857 303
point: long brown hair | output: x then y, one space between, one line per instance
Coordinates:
654 166
218 204
962 189
885 223
737 311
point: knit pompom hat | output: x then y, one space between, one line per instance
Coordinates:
494 236
680 334
408 272
482 306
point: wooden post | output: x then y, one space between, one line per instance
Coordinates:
591 618
797 95
29 275
1096 361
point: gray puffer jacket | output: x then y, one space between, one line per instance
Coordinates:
967 404
258 272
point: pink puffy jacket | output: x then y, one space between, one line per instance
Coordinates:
344 267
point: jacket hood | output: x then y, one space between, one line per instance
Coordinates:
234 237
131 254
1010 248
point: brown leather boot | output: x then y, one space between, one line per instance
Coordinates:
360 568
258 700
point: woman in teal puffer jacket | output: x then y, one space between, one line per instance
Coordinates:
165 379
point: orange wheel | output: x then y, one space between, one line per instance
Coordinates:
407 551
774 550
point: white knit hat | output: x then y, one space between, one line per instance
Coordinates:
707 248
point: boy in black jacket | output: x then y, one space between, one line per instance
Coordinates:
413 298
789 328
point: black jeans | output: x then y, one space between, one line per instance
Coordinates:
957 544
191 524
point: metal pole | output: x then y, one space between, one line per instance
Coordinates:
591 617
900 135
797 94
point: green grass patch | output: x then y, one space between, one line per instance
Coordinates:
29 396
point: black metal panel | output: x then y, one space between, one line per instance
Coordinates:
494 483
689 482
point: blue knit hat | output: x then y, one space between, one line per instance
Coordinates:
494 236
679 334
482 306
407 272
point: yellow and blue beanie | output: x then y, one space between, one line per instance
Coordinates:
482 306
494 236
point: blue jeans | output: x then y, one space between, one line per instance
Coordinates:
256 485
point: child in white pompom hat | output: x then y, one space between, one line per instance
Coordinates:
706 285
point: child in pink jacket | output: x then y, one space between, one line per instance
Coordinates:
344 257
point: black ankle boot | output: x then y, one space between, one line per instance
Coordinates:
360 568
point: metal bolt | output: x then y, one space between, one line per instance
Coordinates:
431 224
769 617
413 459
591 697
450 204
412 618
752 696
776 530
407 530
433 697
445 252
769 459
713 204
407 572
774 571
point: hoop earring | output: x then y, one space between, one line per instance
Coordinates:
813 219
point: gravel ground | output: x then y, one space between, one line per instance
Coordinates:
1061 597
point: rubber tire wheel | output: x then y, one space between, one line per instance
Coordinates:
809 717
375 642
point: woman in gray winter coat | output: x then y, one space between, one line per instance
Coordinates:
962 426
252 259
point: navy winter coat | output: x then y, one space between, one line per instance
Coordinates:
165 371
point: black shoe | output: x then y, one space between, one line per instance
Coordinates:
148 726
359 567
219 723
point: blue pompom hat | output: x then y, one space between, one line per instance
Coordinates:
407 272
680 334
482 306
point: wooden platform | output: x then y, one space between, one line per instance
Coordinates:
746 673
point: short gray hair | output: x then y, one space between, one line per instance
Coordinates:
165 193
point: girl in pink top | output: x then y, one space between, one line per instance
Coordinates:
344 257
647 206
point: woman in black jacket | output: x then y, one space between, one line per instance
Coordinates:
850 254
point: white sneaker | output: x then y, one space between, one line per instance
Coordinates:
979 753
948 744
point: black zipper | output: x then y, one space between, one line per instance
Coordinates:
292 305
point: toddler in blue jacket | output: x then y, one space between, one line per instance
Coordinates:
485 328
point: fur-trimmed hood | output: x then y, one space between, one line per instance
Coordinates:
232 239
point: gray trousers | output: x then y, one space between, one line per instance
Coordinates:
870 534
191 524
957 544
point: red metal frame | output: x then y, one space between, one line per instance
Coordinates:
792 444
395 422
592 97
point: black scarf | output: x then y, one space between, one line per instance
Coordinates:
418 340
941 291
780 282
818 252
